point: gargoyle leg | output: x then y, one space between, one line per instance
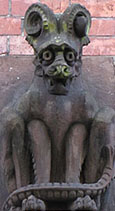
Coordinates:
20 155
41 150
15 157
102 135
7 163
75 152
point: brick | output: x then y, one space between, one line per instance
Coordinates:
19 7
58 6
100 46
99 8
64 5
3 7
10 26
19 46
3 45
102 27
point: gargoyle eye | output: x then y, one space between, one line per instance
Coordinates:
70 56
47 55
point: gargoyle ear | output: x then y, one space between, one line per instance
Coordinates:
35 19
78 21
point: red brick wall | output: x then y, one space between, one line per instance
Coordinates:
102 33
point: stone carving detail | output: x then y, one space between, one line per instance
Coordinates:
58 146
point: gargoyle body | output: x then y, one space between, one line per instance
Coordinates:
58 146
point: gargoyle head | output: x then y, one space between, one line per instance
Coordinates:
57 41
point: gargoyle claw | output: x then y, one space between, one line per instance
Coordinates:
85 203
32 203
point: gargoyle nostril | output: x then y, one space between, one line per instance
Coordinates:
65 69
58 70
62 70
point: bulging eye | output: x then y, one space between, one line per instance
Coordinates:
47 55
70 56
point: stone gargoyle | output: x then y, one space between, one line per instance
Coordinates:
58 146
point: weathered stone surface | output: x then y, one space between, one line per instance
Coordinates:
99 75
13 80
55 137
15 73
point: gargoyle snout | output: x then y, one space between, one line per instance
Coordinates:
61 71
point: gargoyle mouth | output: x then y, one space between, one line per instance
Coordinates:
58 86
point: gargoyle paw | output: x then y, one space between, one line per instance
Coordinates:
32 203
85 203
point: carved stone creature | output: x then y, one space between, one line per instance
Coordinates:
58 145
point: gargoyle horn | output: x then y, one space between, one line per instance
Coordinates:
78 22
38 19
